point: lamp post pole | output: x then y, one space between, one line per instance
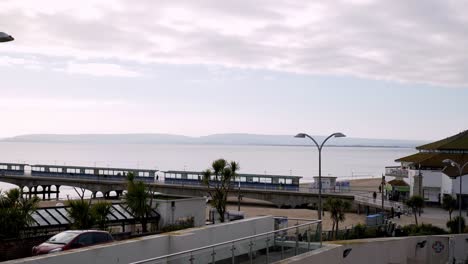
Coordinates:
460 173
319 147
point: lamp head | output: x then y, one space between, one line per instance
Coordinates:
449 162
300 135
5 37
339 134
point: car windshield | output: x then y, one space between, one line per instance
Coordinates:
62 238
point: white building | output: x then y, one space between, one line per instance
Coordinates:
429 176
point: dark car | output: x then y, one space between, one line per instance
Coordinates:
72 239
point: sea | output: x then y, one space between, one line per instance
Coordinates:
342 162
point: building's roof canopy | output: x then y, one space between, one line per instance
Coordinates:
434 160
398 183
456 142
58 217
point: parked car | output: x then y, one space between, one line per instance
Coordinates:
72 239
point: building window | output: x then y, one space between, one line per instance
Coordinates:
265 180
33 168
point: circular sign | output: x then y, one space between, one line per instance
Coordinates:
438 247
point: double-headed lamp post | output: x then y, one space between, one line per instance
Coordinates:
319 147
5 37
460 173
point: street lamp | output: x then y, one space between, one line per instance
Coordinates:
319 147
5 37
460 171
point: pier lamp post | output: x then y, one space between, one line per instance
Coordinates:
319 147
460 173
5 37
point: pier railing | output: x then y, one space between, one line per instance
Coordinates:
267 247
365 200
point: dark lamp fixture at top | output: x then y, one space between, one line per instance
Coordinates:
5 37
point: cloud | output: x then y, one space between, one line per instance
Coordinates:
55 104
26 63
393 40
100 69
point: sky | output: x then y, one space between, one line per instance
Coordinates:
370 69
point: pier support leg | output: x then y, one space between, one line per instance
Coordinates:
359 209
49 188
57 188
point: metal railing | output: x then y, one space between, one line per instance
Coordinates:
396 172
378 203
266 247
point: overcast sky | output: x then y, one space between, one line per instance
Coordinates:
375 69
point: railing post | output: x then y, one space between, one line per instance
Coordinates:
296 248
250 251
213 256
267 249
191 258
233 257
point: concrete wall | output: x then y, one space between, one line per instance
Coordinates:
159 245
178 209
390 250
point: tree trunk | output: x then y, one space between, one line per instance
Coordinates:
336 231
221 215
144 225
416 217
333 228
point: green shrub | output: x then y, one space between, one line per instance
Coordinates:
188 223
421 230
359 231
452 225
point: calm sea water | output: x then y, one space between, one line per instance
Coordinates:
284 160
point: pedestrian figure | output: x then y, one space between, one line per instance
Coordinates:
398 212
380 189
392 212
374 195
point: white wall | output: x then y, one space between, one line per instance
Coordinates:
456 185
159 245
188 207
390 250
432 178
447 185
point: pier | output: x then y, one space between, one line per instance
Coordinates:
106 186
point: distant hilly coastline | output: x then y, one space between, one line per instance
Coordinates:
216 139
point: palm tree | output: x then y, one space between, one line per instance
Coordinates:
99 212
138 200
416 202
337 208
450 204
80 212
15 212
219 183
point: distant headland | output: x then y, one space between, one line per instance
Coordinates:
215 139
